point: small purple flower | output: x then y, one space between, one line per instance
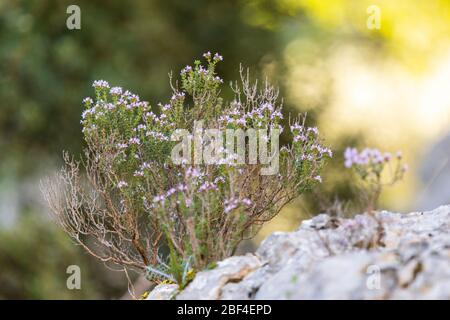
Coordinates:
276 114
219 179
122 184
266 106
193 172
366 157
178 95
207 186
387 157
138 173
350 154
145 165
159 198
88 101
186 69
150 115
327 151
202 71
99 84
207 55
218 57
297 127
171 191
230 205
141 127
116 91
134 140
166 107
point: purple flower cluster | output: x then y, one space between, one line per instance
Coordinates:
100 84
122 184
366 156
308 148
202 71
322 150
194 172
115 91
127 100
157 135
127 104
138 173
300 130
207 73
266 110
141 170
266 115
88 101
207 55
162 197
207 186
307 137
134 140
90 111
186 69
233 203
177 96
217 57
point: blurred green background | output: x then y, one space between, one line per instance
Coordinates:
384 87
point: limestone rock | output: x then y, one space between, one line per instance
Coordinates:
163 292
381 256
208 284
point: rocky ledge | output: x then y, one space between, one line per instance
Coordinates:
384 255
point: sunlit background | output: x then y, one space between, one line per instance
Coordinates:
387 88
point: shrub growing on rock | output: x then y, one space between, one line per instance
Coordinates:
142 207
375 170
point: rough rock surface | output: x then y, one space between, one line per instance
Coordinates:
163 292
381 256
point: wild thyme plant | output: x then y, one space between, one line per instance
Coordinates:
138 209
376 170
